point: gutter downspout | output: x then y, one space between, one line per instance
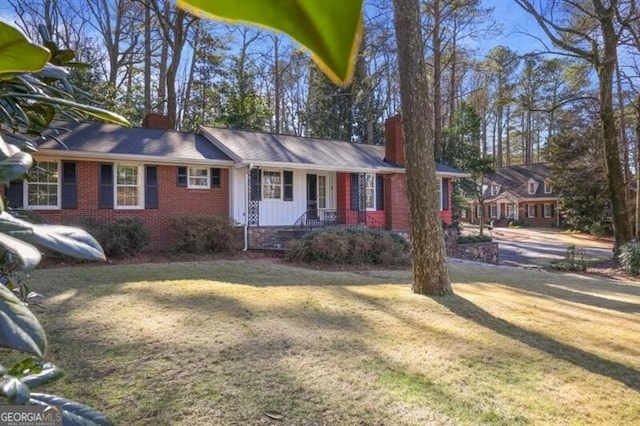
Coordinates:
246 207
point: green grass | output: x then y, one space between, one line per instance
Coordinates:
224 342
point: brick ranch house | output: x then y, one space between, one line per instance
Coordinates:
521 193
265 183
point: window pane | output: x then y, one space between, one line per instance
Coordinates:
271 185
127 196
370 191
127 186
127 175
322 192
42 190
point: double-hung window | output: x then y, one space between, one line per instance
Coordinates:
547 188
128 186
271 185
322 192
531 210
198 177
43 187
370 191
548 211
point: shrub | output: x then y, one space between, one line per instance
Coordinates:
630 257
122 238
470 239
350 247
204 234
517 224
573 260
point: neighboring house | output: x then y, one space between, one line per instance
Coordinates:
264 182
521 193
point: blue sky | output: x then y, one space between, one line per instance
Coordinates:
517 27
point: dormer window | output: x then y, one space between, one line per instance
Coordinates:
493 189
548 189
532 186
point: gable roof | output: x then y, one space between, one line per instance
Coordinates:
515 180
111 141
275 150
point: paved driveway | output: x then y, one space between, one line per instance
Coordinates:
532 247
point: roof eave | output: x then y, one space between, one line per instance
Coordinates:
59 153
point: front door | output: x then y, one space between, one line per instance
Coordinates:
312 196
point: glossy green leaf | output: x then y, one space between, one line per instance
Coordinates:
20 328
26 367
330 29
16 391
96 112
67 240
17 53
27 256
73 413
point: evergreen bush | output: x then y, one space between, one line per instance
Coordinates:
630 257
204 234
350 247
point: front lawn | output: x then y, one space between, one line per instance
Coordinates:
228 342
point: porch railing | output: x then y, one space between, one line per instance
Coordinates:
318 219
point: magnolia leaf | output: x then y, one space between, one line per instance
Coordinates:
15 166
15 391
26 367
96 112
74 242
73 413
20 328
46 375
18 54
330 29
27 256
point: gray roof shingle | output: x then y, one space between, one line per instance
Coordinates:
108 140
515 180
268 148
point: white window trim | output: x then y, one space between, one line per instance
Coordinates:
374 189
544 211
190 186
25 190
529 210
493 211
440 192
326 191
532 184
547 188
478 211
493 189
262 185
140 185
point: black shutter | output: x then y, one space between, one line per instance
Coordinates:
216 178
535 210
151 187
69 185
181 178
354 192
526 210
552 210
288 185
379 192
256 185
106 186
15 194
445 194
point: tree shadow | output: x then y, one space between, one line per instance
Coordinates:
578 357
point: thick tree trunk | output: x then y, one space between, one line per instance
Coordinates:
437 83
430 271
615 178
147 60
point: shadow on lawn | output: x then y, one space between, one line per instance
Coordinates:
576 289
593 363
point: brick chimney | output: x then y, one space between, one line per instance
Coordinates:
394 140
154 120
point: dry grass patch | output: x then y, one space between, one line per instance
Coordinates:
226 342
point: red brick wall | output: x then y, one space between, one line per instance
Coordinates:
539 220
343 191
396 203
172 201
394 140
